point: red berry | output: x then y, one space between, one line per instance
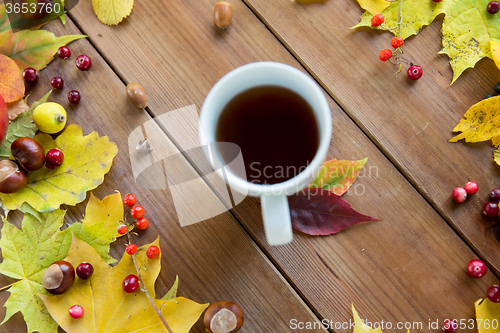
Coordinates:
450 326
153 252
476 268
397 42
459 194
142 224
493 294
74 96
64 52
385 54
76 311
122 230
495 195
437 0
84 270
30 75
471 188
493 7
137 212
54 158
83 62
490 209
131 249
415 72
130 283
129 200
57 82
377 20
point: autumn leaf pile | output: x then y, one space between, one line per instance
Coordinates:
470 33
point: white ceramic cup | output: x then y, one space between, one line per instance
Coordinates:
274 202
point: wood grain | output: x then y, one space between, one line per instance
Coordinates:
410 266
216 260
409 121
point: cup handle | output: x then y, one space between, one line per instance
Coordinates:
276 217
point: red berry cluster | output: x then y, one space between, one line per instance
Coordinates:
131 282
83 63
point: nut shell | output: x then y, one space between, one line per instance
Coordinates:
137 95
223 14
58 277
224 317
28 153
12 177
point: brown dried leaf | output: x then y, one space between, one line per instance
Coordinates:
16 108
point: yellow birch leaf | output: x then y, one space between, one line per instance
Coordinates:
86 160
108 210
495 51
338 176
374 6
481 123
360 326
112 12
108 308
486 313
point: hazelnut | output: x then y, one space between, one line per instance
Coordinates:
224 317
58 277
12 177
137 95
28 153
223 14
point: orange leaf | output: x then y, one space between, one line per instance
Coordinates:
11 80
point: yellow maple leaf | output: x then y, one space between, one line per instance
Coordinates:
112 12
481 123
374 6
108 308
487 314
495 51
108 210
360 326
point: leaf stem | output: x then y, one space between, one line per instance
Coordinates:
145 290
7 287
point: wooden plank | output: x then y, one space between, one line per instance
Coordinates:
410 266
215 260
410 122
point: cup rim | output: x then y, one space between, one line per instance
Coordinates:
323 115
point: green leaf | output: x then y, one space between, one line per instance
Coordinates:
172 293
86 160
467 27
22 126
95 235
26 254
33 48
338 176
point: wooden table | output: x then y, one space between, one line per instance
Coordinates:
407 267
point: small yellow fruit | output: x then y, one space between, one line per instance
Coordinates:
50 117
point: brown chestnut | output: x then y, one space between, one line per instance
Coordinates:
224 317
58 277
12 177
28 153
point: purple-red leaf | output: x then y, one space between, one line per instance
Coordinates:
315 212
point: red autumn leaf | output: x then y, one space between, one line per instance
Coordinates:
315 212
11 80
